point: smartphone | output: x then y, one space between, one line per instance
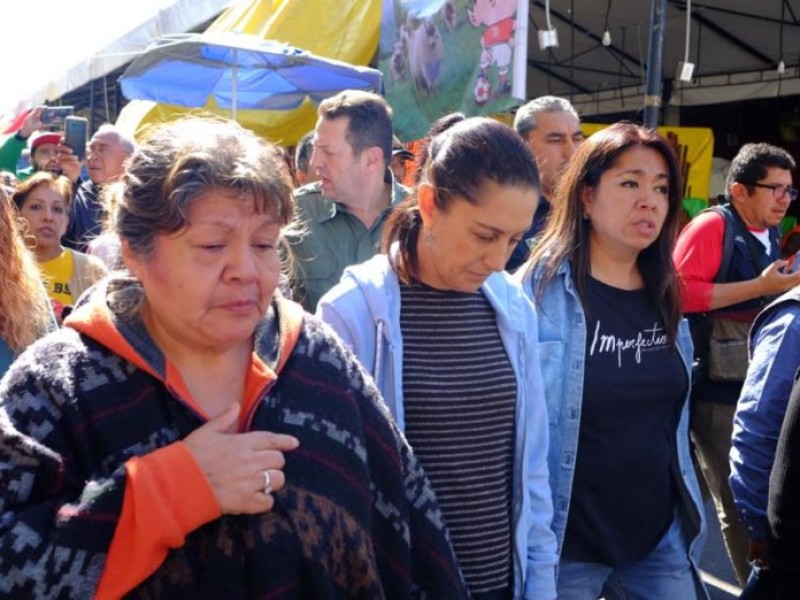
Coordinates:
75 130
55 115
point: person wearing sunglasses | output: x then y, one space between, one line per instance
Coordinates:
729 260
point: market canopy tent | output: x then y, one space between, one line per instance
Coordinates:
238 70
736 47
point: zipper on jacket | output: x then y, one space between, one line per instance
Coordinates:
248 420
251 413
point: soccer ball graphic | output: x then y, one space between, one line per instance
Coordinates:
482 90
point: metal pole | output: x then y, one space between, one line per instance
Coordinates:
91 104
235 83
655 55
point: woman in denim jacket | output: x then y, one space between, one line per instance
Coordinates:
615 357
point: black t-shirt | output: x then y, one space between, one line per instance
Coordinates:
624 492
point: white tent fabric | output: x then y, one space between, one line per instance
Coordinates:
50 47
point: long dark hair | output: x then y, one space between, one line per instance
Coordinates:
461 160
566 235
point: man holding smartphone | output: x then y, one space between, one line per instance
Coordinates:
47 151
105 160
722 297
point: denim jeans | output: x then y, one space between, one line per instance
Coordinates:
665 574
711 431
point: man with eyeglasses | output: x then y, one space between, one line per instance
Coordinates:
105 160
729 260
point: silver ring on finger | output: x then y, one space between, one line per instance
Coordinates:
267 483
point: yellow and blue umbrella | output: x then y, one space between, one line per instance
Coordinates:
238 70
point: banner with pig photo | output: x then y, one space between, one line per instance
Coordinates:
440 56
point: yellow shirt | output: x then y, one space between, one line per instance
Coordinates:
56 274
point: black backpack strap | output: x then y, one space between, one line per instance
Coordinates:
727 243
700 323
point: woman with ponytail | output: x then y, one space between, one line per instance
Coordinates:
451 343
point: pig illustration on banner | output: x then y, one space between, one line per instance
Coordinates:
426 53
497 43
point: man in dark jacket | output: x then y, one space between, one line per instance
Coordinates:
715 295
105 160
552 129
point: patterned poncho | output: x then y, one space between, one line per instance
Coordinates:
356 519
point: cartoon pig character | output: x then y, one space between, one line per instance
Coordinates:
497 41
425 56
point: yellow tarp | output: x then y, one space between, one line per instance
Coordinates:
345 30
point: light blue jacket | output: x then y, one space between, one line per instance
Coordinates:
562 350
364 309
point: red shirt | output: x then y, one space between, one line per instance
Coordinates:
499 33
697 256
